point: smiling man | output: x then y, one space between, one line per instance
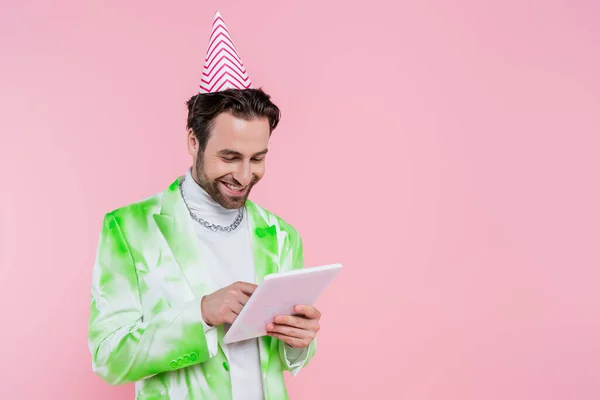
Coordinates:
233 160
173 271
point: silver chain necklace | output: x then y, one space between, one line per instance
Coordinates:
206 224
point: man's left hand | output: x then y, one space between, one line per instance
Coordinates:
296 330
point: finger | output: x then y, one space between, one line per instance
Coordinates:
236 307
241 298
290 331
237 296
229 317
308 311
245 287
293 342
293 321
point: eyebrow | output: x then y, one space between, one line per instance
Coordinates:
229 152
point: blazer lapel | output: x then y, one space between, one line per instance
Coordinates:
176 227
266 244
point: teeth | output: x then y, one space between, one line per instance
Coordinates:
232 187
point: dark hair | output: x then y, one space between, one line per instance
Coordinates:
203 108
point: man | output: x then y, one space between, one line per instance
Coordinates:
174 270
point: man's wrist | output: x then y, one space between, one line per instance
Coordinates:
203 314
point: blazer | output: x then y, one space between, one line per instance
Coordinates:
148 280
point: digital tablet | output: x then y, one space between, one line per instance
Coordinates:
278 294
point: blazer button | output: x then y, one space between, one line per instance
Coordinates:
180 361
173 365
225 365
193 357
186 359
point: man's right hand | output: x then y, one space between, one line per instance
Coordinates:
224 305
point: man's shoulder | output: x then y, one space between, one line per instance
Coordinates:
136 220
140 209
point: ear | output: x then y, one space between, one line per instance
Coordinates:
192 143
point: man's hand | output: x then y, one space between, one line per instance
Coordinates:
296 330
224 305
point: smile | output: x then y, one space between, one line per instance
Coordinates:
234 190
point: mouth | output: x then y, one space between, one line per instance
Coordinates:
233 190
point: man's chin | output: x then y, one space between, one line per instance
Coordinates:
232 202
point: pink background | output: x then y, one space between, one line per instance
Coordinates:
445 151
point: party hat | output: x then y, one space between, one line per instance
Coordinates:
223 67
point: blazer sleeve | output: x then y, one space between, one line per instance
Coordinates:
125 345
295 359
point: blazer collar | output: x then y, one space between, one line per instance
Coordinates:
175 224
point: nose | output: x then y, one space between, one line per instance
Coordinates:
243 174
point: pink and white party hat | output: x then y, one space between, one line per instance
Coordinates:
223 67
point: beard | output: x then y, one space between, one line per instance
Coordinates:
214 188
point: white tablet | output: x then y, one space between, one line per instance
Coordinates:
278 294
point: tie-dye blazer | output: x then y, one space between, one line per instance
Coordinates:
148 279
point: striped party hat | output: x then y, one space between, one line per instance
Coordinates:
223 67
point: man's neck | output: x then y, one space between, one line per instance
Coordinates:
203 204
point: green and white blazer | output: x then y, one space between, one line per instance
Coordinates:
148 279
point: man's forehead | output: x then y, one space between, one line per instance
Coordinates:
239 134
236 144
